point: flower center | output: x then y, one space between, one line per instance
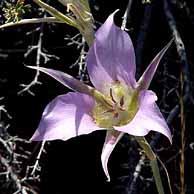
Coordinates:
122 110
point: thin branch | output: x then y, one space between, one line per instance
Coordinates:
3 110
40 53
9 169
36 165
75 40
167 175
182 147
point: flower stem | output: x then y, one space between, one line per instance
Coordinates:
153 162
157 177
31 21
57 14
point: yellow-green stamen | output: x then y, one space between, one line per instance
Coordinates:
123 107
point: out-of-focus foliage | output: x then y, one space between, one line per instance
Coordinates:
14 11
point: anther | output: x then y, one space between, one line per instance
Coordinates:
122 101
111 95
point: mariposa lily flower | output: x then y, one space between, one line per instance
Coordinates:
118 103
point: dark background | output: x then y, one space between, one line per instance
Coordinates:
74 166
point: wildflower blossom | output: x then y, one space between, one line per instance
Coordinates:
118 103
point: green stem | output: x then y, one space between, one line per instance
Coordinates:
82 24
153 162
31 21
57 14
157 177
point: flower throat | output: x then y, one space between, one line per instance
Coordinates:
122 109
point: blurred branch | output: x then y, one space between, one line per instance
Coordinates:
136 175
179 45
183 6
184 86
142 35
126 15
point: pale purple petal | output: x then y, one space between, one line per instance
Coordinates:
146 78
65 79
112 138
147 118
111 57
65 117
